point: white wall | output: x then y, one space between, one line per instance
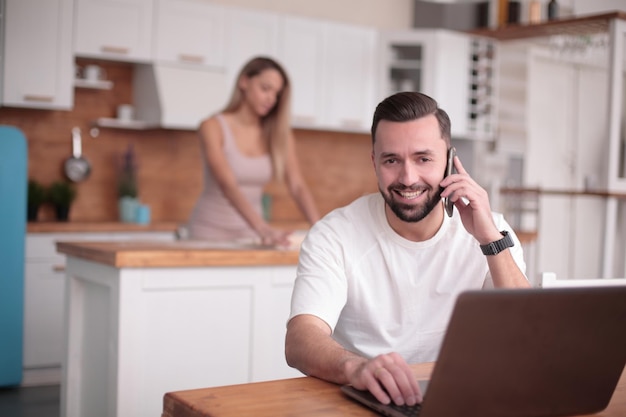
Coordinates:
383 14
584 7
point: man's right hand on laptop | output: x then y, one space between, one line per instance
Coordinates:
388 377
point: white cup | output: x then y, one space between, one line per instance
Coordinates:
125 112
93 73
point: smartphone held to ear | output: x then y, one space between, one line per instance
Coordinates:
448 204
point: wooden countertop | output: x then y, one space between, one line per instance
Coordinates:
97 227
185 253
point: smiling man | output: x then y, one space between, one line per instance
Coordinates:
377 279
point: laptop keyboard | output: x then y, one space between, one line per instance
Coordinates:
390 410
407 410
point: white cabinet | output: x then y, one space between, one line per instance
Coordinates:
152 330
301 51
114 29
455 69
565 150
44 281
189 32
37 70
562 107
248 34
187 80
349 77
333 73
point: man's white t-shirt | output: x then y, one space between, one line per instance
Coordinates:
381 293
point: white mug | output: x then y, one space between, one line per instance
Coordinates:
93 73
125 112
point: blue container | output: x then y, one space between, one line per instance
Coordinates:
13 196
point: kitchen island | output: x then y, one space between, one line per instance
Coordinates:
146 318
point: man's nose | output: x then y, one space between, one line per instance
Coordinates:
409 174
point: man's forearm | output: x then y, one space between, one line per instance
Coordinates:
504 271
312 351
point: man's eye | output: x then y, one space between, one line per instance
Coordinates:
389 161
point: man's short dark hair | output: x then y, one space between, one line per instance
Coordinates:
407 106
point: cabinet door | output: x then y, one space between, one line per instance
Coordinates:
189 32
349 77
301 51
38 66
44 294
114 29
566 141
248 34
43 313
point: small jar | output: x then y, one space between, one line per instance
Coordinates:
534 12
553 10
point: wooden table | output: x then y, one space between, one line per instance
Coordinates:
304 396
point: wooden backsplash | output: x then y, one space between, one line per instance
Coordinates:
336 166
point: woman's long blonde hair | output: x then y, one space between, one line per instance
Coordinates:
276 124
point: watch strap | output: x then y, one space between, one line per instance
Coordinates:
498 246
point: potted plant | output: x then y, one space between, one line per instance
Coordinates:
127 187
36 197
61 195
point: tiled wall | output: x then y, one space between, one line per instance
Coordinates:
336 166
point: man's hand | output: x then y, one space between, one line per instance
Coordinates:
388 377
476 211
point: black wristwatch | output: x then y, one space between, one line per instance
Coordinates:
498 246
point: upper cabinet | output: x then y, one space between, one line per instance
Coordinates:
332 71
188 55
38 67
455 69
301 51
349 77
119 30
189 32
249 33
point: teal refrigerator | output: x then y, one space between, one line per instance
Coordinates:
13 195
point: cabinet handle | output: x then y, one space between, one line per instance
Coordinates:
42 99
351 123
196 59
114 49
305 120
58 268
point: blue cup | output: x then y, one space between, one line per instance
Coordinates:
128 209
142 214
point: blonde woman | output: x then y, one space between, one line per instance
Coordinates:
244 147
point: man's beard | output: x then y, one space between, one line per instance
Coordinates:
410 213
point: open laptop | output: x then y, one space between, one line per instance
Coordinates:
525 353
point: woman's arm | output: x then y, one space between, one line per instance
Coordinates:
297 186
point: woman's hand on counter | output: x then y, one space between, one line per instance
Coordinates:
275 237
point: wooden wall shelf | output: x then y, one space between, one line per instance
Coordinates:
125 124
97 84
584 25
